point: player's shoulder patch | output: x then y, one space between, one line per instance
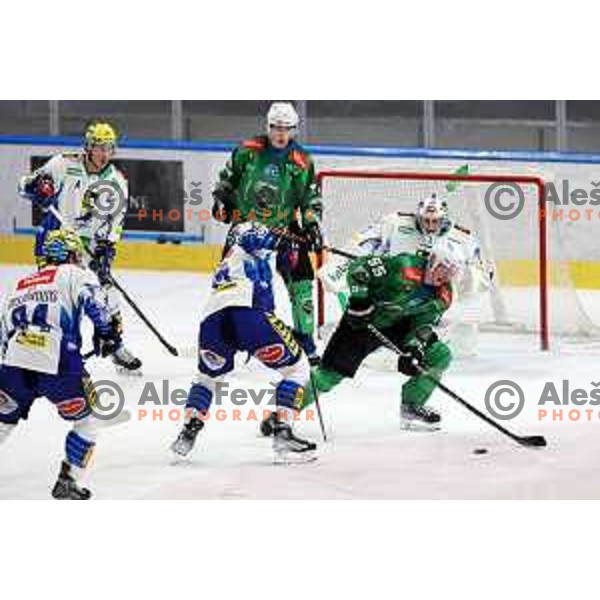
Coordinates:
71 156
257 143
44 277
462 229
300 158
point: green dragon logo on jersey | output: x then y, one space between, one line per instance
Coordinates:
265 195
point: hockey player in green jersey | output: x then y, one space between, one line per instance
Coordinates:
271 179
404 297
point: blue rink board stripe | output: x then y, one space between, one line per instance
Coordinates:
329 150
136 236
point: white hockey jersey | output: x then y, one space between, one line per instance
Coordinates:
41 317
79 209
242 280
398 233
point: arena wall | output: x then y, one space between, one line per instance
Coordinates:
196 248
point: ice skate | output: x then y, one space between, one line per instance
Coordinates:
186 439
419 418
289 448
66 487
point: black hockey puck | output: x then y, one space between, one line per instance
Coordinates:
480 451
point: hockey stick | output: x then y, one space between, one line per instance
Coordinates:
318 405
312 381
284 233
302 240
339 252
530 441
125 295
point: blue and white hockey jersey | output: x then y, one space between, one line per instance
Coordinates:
242 279
41 318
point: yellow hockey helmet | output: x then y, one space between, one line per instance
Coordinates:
100 134
61 245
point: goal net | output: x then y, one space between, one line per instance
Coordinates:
533 290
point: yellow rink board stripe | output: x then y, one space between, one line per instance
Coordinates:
203 258
130 255
524 273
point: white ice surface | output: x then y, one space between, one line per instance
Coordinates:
367 455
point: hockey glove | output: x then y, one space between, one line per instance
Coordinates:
426 335
41 190
104 254
314 237
223 202
411 360
106 342
257 240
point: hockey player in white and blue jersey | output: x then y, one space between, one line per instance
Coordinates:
239 317
41 351
90 193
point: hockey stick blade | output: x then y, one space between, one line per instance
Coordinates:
532 441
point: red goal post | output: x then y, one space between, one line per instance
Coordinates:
538 183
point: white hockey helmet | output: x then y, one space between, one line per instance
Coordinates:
446 262
282 114
432 214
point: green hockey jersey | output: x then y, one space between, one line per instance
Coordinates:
271 185
394 286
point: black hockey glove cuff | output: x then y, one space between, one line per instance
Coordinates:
106 343
223 202
314 237
412 360
104 255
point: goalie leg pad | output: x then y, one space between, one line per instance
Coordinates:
418 389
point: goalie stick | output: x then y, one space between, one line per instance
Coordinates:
530 441
125 295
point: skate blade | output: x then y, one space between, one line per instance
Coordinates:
128 372
419 426
179 452
294 458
